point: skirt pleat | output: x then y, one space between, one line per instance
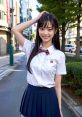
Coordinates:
30 104
48 112
39 106
43 106
24 102
39 102
34 106
54 105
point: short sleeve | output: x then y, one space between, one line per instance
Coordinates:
61 66
27 47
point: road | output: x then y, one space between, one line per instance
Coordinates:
11 91
4 60
72 54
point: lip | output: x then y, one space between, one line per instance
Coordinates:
45 37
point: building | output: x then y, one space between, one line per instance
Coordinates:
4 25
26 14
9 16
28 32
14 18
23 10
71 35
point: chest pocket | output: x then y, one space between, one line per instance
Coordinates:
51 64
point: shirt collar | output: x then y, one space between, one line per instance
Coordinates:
50 49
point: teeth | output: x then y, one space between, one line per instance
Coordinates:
46 37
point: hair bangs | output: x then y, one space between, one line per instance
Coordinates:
46 20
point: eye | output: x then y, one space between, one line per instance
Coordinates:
50 29
41 28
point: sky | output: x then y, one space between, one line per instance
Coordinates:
32 5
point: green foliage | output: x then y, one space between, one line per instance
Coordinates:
65 10
74 75
78 92
73 59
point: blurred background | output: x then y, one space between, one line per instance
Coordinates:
69 15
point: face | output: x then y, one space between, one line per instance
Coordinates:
46 33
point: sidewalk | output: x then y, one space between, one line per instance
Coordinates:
72 105
5 68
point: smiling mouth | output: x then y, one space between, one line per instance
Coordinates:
45 37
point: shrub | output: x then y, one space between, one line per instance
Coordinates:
74 75
72 59
78 92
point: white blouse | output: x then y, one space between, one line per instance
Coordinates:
44 67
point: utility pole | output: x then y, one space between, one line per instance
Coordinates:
10 45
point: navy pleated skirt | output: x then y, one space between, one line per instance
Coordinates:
39 102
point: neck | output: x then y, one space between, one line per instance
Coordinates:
46 45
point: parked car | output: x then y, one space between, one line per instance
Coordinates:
70 48
80 49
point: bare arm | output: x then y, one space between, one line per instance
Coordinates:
18 29
58 89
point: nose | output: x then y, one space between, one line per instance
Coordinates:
45 31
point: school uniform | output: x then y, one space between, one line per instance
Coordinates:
39 98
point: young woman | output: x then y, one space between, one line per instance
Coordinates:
45 66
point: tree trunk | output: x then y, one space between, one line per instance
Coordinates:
78 41
78 34
63 37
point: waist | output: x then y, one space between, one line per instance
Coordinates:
38 88
40 82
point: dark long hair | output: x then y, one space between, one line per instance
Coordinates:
42 22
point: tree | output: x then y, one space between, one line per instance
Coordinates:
66 12
79 13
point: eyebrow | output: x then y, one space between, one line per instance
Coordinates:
49 27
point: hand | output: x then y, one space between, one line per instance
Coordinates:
39 16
